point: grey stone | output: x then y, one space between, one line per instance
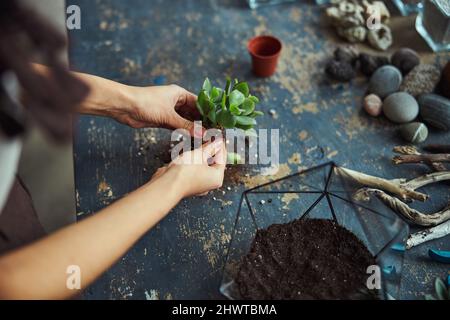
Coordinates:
405 59
385 80
400 107
414 132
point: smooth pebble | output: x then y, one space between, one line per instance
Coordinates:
400 107
414 132
405 59
385 80
373 105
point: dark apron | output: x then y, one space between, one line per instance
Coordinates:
19 223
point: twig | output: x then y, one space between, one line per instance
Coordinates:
396 186
420 237
378 186
410 150
427 179
409 213
422 158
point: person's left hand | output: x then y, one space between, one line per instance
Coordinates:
171 107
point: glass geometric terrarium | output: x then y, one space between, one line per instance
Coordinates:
407 7
318 193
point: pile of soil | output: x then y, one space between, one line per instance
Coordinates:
305 259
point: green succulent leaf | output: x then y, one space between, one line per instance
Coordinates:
203 103
236 98
226 119
207 86
235 110
234 158
242 87
254 99
251 133
212 117
228 86
216 94
245 121
248 107
441 289
255 114
429 297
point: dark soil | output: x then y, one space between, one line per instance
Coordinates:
305 259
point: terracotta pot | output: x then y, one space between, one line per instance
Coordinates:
265 51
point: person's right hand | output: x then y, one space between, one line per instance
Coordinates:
197 172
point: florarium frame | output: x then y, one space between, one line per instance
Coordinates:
319 192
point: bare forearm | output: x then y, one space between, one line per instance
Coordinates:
105 97
39 270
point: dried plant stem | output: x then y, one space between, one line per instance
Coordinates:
400 188
423 236
409 213
392 186
421 158
410 150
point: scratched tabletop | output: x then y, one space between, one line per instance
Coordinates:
158 42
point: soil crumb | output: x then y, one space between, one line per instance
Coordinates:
305 259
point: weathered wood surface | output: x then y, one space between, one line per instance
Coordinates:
153 42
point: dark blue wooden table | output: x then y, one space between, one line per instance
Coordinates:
144 42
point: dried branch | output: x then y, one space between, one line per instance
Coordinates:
420 237
421 158
396 186
427 179
409 213
410 150
400 188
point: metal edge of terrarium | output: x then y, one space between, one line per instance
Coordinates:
251 190
227 255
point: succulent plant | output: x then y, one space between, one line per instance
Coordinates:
442 291
229 108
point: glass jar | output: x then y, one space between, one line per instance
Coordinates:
319 193
253 4
407 7
433 24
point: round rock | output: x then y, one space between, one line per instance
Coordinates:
373 105
385 80
400 107
340 70
348 54
405 59
422 79
414 132
369 64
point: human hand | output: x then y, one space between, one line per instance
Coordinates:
198 171
171 107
